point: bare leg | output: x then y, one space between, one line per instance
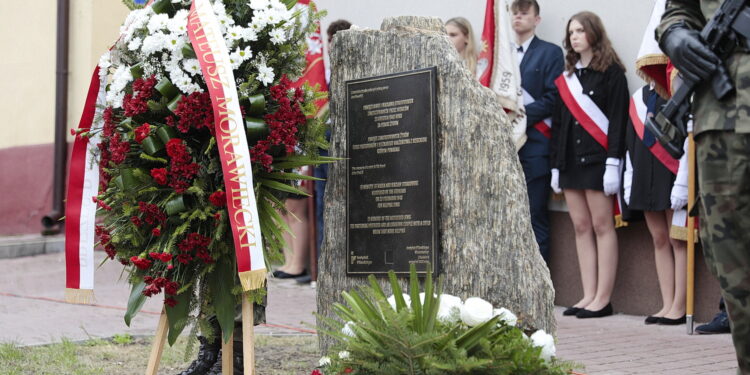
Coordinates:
585 245
601 208
679 249
295 254
658 226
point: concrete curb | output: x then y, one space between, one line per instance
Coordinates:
30 244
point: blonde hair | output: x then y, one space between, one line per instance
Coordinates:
469 54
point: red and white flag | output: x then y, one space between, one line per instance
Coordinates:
497 66
315 72
651 63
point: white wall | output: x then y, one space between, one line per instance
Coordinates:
624 20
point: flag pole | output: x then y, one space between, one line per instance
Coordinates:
690 300
248 335
157 347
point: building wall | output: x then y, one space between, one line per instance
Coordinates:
27 98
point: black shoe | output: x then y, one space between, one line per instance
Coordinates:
283 275
571 311
304 279
672 322
237 361
585 314
720 324
651 319
208 354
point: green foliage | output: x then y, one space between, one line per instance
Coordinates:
122 339
385 339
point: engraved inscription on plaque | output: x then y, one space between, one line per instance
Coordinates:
391 200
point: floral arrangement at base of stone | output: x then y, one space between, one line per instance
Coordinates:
428 332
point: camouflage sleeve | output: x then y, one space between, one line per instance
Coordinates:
688 11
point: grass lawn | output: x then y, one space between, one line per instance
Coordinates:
123 355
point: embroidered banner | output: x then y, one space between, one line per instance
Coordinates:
588 114
207 41
315 72
638 113
651 63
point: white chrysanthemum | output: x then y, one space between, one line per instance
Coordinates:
235 33
192 66
259 21
506 315
120 78
175 42
219 8
183 81
249 34
178 23
114 99
276 5
273 16
134 44
105 61
236 60
392 301
343 354
349 329
324 361
136 20
546 342
476 311
278 36
245 54
154 43
225 22
158 22
259 4
449 310
265 74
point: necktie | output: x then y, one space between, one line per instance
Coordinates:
520 49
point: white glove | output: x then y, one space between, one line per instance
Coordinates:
679 196
627 182
555 181
612 176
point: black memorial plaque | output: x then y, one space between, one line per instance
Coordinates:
391 196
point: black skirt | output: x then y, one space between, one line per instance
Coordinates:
582 177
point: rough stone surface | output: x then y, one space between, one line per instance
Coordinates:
487 244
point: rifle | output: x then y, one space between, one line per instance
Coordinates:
729 27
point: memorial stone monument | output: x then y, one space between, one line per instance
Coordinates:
483 242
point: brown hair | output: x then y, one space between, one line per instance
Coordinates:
603 53
337 26
524 5
470 53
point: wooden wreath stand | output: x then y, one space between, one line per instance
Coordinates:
227 344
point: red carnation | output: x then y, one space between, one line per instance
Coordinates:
165 257
136 221
171 287
171 302
110 250
218 198
159 175
156 232
141 263
316 372
142 132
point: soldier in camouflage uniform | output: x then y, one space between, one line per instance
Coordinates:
722 136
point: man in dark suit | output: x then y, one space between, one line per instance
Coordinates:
540 62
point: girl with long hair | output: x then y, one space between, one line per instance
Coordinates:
461 34
586 150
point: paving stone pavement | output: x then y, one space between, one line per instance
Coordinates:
32 313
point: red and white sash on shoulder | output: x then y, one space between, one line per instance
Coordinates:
580 105
638 114
544 126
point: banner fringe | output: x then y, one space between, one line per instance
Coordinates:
252 280
619 222
79 296
680 233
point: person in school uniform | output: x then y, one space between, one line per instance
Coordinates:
586 151
540 63
656 183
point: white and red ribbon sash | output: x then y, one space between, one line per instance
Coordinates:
580 105
83 185
209 45
544 126
638 113
80 209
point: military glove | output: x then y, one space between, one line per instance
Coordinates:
679 196
555 181
688 52
612 176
